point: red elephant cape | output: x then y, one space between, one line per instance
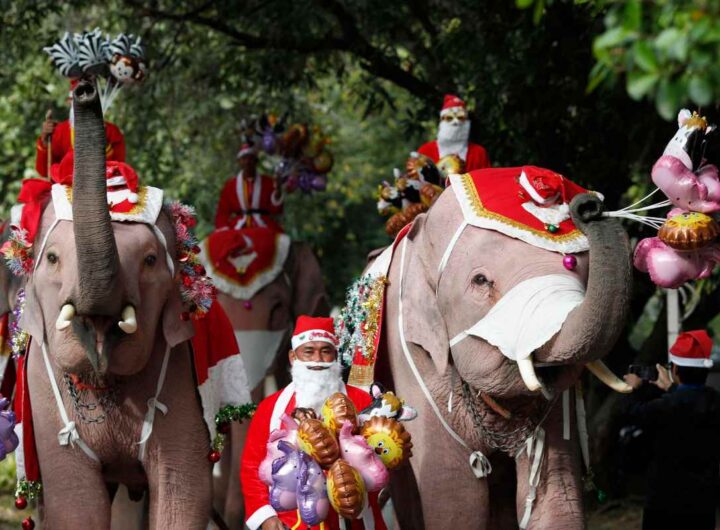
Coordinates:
63 139
246 203
475 158
256 492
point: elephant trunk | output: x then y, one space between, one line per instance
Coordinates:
97 254
592 328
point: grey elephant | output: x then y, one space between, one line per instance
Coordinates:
496 301
109 367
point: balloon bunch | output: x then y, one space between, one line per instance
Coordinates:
414 191
114 63
304 160
338 459
686 246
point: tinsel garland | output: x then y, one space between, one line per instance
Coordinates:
225 416
359 320
17 251
28 489
18 339
196 289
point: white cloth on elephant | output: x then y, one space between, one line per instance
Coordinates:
528 315
259 349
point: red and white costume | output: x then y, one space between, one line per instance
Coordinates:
267 418
249 203
474 155
63 140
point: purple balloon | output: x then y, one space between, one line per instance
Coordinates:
283 492
312 499
319 182
268 140
8 439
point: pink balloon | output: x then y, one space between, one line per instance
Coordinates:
697 192
356 451
671 268
287 433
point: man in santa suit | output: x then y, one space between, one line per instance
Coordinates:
316 374
453 137
249 200
63 138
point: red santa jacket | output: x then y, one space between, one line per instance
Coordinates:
256 492
476 157
63 141
249 203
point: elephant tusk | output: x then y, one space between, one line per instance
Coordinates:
602 372
67 313
527 372
129 322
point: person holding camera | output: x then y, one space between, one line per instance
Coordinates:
681 417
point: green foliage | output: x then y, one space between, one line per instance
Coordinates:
668 51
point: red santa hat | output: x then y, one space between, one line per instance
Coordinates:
246 149
692 348
309 329
451 102
528 203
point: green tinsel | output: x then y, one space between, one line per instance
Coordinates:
28 489
231 413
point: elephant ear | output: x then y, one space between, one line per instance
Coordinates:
175 329
423 322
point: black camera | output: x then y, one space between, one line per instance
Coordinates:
646 373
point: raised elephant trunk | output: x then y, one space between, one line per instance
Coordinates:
592 328
97 254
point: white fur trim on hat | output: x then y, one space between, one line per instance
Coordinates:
692 363
525 183
451 109
313 335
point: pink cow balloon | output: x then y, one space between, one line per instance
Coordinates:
356 451
681 173
287 433
671 268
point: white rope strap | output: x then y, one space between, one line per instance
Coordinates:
535 446
68 435
163 242
153 404
478 461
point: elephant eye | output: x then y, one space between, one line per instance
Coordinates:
52 257
481 279
150 260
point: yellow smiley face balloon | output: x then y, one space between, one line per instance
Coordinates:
389 439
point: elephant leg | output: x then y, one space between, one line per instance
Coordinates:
180 491
558 503
74 492
234 502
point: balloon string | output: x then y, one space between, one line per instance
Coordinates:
643 199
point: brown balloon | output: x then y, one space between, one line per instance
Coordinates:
346 490
689 231
301 413
317 441
389 439
336 410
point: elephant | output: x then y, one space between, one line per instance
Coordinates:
103 309
263 326
491 403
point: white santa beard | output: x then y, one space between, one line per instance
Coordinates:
313 387
452 138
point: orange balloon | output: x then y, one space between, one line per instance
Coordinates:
336 410
346 490
389 439
317 441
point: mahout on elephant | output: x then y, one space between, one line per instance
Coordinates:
483 314
122 380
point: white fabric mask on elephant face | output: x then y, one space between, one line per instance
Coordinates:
528 315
